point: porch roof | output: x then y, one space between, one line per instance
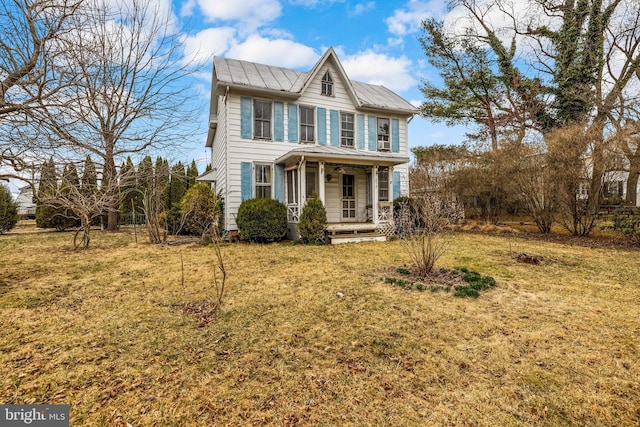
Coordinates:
342 155
208 176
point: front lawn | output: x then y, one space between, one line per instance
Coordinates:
312 335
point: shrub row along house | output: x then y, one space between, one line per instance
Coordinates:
286 134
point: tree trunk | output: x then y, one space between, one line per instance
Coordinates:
112 220
632 185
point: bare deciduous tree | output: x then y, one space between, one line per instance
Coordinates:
431 209
128 93
29 77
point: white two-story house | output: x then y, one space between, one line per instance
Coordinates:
286 134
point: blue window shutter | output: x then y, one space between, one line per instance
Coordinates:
334 124
278 121
360 131
293 123
373 133
395 135
396 184
246 184
245 117
278 183
322 125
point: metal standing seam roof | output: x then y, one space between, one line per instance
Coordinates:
238 73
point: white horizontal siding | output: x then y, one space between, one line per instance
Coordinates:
240 150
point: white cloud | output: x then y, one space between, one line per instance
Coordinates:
313 3
406 21
249 13
380 69
361 8
278 52
211 41
187 8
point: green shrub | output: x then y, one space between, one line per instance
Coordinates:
201 210
262 220
466 292
8 210
313 221
403 270
627 223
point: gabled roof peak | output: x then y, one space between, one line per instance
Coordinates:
279 81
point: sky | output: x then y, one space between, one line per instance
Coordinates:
376 41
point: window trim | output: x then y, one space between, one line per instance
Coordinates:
255 120
383 144
313 125
257 184
352 130
326 88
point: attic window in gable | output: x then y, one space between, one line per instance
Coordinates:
327 84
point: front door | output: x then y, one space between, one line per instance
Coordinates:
348 197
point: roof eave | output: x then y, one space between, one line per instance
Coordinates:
354 160
259 90
407 111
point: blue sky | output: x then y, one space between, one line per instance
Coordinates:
376 41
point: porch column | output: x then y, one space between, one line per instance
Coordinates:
321 182
302 170
374 193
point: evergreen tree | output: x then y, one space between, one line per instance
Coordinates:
313 220
192 174
145 174
178 186
64 218
8 210
161 182
89 182
128 187
47 187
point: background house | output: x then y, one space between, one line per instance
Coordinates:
26 203
287 134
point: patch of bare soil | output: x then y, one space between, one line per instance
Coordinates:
442 277
203 311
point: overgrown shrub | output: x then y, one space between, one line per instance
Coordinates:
202 210
8 210
313 221
262 220
627 223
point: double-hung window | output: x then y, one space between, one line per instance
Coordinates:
346 130
327 84
261 119
262 180
383 184
307 124
384 143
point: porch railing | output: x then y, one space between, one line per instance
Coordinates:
386 225
292 213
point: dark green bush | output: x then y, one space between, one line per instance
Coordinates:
627 223
8 210
313 221
262 220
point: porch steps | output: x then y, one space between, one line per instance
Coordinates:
356 238
353 233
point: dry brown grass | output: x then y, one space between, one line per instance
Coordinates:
101 330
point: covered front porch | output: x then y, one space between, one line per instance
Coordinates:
356 187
